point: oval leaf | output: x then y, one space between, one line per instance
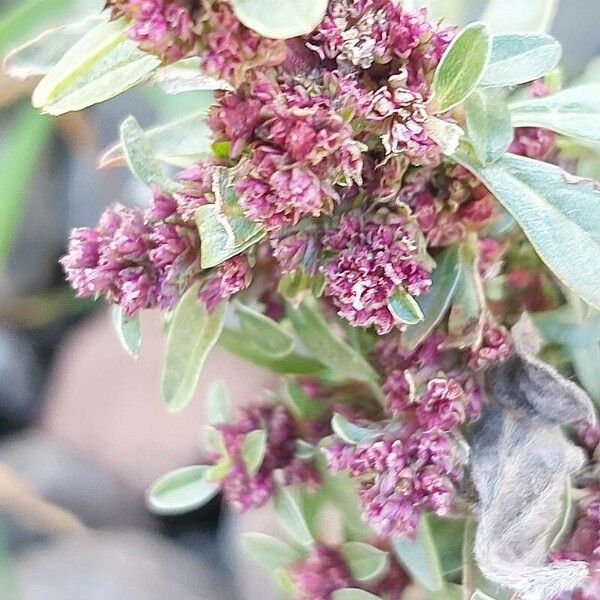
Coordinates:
268 551
102 64
516 15
365 561
520 57
128 330
404 307
264 332
461 67
349 432
290 514
192 335
280 19
353 594
217 403
574 112
489 124
553 208
253 450
181 491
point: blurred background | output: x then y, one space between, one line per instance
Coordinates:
83 430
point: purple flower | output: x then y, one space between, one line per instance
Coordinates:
230 278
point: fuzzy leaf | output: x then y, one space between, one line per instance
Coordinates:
461 67
553 208
516 15
573 112
291 517
365 561
436 301
264 332
186 76
128 330
349 432
181 491
218 405
520 57
317 336
268 551
445 134
404 307
353 594
253 450
102 64
280 19
561 326
192 335
489 124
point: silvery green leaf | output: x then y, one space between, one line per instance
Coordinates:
291 516
280 19
181 491
268 335
445 134
461 67
404 307
192 335
36 57
516 15
102 64
489 124
436 301
353 594
218 404
566 521
253 450
364 561
268 551
186 76
553 208
140 157
585 363
479 595
301 404
350 432
129 331
561 326
448 534
574 112
179 143
519 58
304 450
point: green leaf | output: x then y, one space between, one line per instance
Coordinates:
181 491
102 64
349 432
268 551
140 157
218 405
364 561
489 124
585 363
520 57
264 332
280 19
448 535
253 450
479 595
574 112
562 327
236 343
302 405
291 517
565 523
353 594
321 341
445 134
179 143
516 15
21 149
192 335
404 307
129 331
436 301
553 208
461 67
186 76
420 557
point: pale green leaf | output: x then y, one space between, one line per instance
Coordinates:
445 134
420 557
561 326
102 64
268 551
573 112
553 208
280 19
365 561
253 450
436 301
186 76
461 67
489 124
448 534
264 332
479 595
192 335
301 404
129 331
585 363
516 15
350 432
520 57
218 406
404 307
565 524
181 491
353 594
291 516
141 159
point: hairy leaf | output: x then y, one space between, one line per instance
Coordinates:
516 15
186 76
291 516
365 561
268 551
128 330
264 332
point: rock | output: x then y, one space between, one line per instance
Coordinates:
108 406
125 565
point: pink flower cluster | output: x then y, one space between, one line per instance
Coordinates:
370 260
243 489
